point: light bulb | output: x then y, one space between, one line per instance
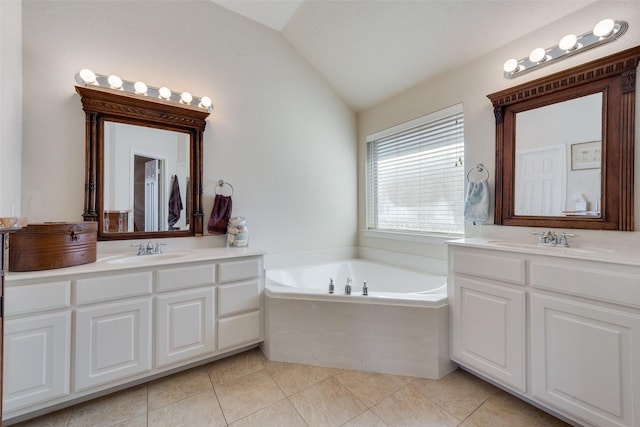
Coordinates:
164 92
510 65
186 98
115 82
568 42
205 102
140 88
537 55
604 28
87 76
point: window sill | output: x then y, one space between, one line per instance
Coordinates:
433 239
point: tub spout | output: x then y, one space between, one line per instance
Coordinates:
331 286
365 290
347 287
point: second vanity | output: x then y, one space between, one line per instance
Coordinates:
77 332
559 327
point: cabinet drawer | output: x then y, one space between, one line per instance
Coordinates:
113 287
238 297
490 265
604 282
39 297
238 270
185 277
237 330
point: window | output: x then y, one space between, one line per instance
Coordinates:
415 175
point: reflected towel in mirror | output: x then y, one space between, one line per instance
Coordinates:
476 205
175 204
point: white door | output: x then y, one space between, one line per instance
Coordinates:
36 359
113 341
586 360
540 181
151 194
488 330
185 322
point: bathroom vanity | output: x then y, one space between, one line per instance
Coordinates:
559 327
78 332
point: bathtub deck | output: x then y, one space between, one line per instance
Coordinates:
412 341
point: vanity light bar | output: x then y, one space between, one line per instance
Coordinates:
603 32
86 77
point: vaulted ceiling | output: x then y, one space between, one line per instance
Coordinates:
370 50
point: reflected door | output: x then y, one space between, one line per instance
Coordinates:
151 195
541 181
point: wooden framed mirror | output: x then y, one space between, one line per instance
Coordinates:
575 169
143 166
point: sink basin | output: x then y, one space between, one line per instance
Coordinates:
144 259
556 249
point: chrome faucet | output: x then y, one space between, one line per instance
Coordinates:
347 287
563 239
149 249
549 238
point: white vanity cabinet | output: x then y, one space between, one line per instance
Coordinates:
81 331
585 339
488 315
579 323
37 339
239 307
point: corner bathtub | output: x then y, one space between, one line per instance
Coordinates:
401 327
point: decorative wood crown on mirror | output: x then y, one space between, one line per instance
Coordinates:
614 77
143 171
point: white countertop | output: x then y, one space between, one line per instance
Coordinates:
108 262
619 255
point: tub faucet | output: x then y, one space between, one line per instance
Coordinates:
331 286
347 287
365 290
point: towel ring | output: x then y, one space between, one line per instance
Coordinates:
221 184
480 168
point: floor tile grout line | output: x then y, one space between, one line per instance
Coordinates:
287 397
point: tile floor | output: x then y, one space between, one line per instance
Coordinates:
249 390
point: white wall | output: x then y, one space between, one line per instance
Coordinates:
470 85
10 106
278 133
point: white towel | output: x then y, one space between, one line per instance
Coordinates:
476 205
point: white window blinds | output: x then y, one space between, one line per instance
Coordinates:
415 175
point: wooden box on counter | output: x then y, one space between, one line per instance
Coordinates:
52 245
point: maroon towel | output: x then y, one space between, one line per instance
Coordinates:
220 215
175 204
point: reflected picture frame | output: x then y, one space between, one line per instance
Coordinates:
586 155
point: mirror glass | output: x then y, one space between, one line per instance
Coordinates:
558 159
146 179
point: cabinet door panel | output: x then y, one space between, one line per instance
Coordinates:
113 341
36 359
185 322
488 330
582 359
